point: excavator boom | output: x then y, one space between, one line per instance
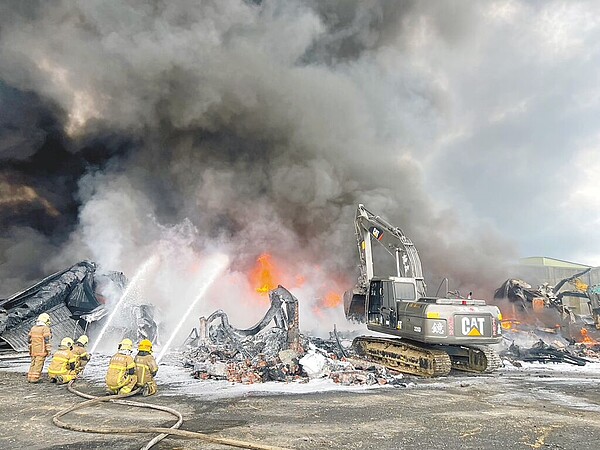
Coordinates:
370 227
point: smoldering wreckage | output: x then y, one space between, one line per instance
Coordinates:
274 349
436 334
539 325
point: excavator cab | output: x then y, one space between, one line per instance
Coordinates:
382 302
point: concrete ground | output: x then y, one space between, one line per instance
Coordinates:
546 409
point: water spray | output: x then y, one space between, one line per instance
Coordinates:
219 264
127 293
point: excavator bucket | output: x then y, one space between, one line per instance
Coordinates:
355 305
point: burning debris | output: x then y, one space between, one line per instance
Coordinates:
552 308
531 343
545 325
215 334
217 350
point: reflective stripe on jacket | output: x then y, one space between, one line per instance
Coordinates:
62 362
118 370
39 340
145 368
80 353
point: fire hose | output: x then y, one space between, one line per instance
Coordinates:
163 432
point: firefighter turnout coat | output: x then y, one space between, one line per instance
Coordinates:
62 366
120 377
39 349
145 369
82 356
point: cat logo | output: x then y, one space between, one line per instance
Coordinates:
472 326
376 232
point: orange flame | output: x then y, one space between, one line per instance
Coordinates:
264 275
509 324
332 299
268 273
586 338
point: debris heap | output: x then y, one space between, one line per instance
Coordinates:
543 353
267 352
74 298
548 346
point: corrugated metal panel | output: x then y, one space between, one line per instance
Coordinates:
536 275
551 262
61 324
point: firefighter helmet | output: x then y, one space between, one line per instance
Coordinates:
44 318
83 339
67 342
145 346
126 344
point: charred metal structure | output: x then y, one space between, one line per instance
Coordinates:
215 331
531 301
268 351
542 352
65 296
74 299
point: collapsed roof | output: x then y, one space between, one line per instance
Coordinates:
64 295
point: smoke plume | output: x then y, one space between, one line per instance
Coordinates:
249 127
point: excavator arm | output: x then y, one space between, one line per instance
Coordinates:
370 227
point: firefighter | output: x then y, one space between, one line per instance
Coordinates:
146 368
120 378
39 347
62 367
80 351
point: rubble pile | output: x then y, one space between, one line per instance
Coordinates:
543 353
241 363
248 359
567 306
218 351
542 346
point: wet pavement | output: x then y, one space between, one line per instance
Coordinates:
554 407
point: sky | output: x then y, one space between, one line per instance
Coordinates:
244 127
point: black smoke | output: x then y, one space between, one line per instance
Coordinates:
263 124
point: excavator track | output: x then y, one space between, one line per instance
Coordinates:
476 359
404 356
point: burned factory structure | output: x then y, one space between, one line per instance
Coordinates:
77 301
554 292
577 285
551 312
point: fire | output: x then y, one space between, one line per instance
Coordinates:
509 324
265 275
332 299
586 339
268 273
